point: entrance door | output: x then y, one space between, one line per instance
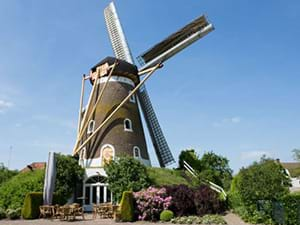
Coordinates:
96 193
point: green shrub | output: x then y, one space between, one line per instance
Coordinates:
166 215
187 220
13 214
2 214
32 203
291 204
13 191
126 207
207 219
213 219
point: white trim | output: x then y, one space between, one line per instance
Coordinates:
130 125
138 156
117 79
91 127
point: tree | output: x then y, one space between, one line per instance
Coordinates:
126 174
6 174
190 157
215 168
263 180
296 154
68 174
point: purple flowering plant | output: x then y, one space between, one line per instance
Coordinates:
151 202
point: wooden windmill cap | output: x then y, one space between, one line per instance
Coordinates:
122 68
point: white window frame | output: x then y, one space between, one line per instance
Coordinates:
91 127
139 152
82 155
132 98
105 146
130 125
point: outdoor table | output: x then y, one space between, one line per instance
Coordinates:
104 210
47 211
71 211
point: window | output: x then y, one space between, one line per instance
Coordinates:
91 127
132 98
127 125
107 154
82 155
136 152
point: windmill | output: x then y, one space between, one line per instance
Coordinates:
111 124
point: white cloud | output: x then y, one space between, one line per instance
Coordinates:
231 120
4 105
254 155
235 119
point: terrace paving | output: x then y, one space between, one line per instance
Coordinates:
230 218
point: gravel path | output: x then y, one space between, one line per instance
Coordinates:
230 218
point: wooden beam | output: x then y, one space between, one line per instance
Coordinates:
116 110
90 99
142 72
94 106
80 104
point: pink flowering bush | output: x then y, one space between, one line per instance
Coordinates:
151 202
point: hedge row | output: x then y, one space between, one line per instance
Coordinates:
291 206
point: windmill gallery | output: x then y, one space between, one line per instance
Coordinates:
110 125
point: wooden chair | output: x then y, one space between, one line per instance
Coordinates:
78 211
46 211
66 213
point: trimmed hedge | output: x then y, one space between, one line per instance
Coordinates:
31 205
166 215
33 201
291 204
126 207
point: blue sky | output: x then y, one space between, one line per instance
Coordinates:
235 92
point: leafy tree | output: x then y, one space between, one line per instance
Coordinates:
69 173
215 168
210 167
296 154
126 174
6 174
264 180
190 157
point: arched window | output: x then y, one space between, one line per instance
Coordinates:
132 98
127 125
136 152
91 127
107 154
82 155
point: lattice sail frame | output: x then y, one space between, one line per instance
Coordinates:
122 51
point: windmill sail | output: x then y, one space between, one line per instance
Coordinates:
122 51
160 144
116 34
175 42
